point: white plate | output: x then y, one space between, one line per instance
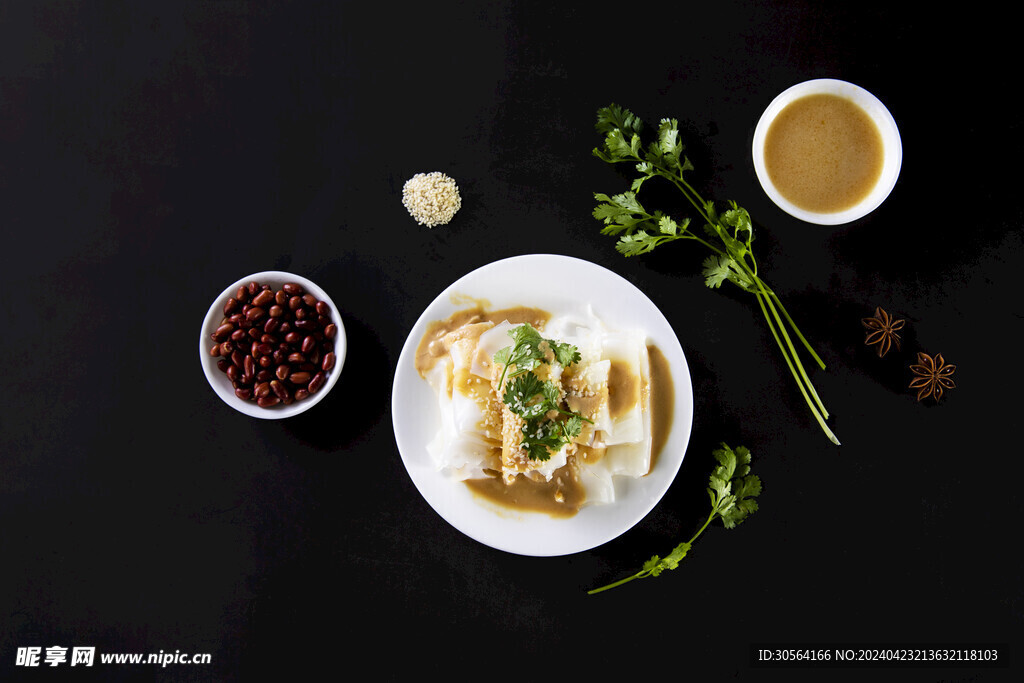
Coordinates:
555 284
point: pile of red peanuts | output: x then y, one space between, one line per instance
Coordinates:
276 347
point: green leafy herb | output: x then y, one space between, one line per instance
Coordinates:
547 426
530 349
728 234
732 490
530 397
543 437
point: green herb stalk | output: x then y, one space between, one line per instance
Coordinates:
728 235
732 490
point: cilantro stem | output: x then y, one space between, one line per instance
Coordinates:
800 366
707 523
691 194
800 381
569 413
640 232
643 573
768 300
648 571
515 350
796 330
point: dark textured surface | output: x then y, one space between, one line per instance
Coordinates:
152 153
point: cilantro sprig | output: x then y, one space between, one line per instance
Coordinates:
529 350
728 234
546 425
732 489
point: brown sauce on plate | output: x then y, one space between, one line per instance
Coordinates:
562 496
623 388
663 401
430 348
823 153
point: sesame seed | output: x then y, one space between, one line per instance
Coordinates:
431 198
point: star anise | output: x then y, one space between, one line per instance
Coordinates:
882 331
933 376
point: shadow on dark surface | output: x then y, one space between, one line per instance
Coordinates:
359 400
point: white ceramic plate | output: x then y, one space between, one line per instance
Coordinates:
556 284
892 147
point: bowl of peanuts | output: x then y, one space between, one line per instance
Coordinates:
272 345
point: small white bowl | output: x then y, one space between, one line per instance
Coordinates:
891 144
219 380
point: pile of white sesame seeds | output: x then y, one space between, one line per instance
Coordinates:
431 198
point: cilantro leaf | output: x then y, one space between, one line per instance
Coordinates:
541 438
666 225
640 231
503 356
657 565
525 354
614 117
521 396
572 426
716 270
732 490
565 354
732 487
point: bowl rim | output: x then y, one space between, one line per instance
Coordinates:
218 380
892 146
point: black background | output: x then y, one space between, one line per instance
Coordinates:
153 153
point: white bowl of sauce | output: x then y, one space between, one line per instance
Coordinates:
827 152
